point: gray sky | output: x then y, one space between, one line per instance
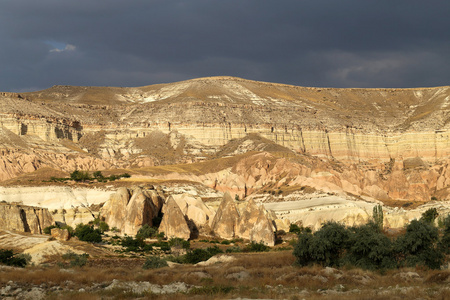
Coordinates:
335 43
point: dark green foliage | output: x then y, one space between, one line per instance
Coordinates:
135 245
294 228
76 260
197 255
225 242
87 233
180 243
154 262
444 244
234 249
48 230
148 232
8 258
429 215
370 249
80 176
418 246
256 247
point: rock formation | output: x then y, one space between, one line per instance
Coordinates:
226 219
255 225
60 234
24 218
129 209
173 223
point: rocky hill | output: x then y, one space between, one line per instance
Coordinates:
230 134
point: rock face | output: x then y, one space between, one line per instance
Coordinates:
173 223
198 214
129 209
24 218
60 234
226 220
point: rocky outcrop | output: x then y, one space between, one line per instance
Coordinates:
226 219
255 225
129 209
198 214
173 223
24 218
60 234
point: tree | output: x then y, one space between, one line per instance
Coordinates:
378 216
370 249
419 246
429 215
87 233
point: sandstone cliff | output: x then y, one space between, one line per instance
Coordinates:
24 218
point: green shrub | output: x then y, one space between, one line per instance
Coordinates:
234 249
256 247
154 262
87 233
225 242
445 241
378 217
80 176
419 246
294 228
179 242
325 247
370 249
429 215
8 258
147 232
76 260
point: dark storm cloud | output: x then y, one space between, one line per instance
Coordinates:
312 43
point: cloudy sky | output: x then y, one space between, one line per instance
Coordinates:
335 43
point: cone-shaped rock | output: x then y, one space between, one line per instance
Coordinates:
248 219
140 211
115 209
263 230
173 223
226 219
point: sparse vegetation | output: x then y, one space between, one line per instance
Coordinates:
7 257
84 176
87 233
75 260
154 262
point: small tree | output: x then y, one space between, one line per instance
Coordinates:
429 215
378 216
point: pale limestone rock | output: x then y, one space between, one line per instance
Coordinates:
263 230
115 209
129 210
194 209
139 211
60 234
173 223
226 220
283 224
248 219
24 218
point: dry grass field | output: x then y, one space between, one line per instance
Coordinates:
268 275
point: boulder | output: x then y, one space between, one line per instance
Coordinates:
114 210
173 223
226 220
248 218
60 234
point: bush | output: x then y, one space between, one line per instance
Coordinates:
179 242
8 258
148 232
429 215
418 246
294 228
76 260
234 249
154 262
135 245
256 247
370 249
325 247
80 176
87 233
445 241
